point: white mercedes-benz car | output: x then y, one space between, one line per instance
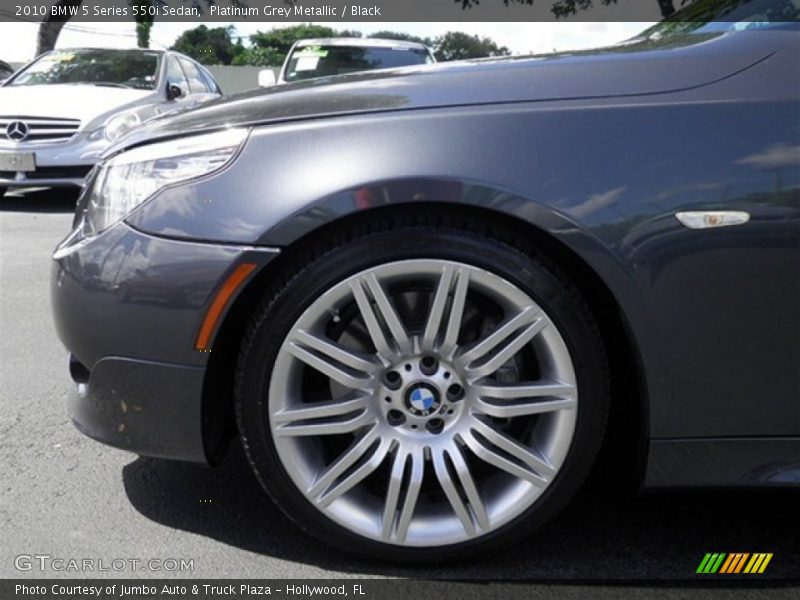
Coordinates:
61 111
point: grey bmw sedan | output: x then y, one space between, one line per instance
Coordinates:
423 299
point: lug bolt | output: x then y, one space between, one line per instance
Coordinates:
395 417
393 380
428 365
435 426
455 393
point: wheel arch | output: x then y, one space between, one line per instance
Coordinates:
628 422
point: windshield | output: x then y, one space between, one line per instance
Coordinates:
714 16
321 61
118 68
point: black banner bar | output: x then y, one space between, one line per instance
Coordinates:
360 589
295 11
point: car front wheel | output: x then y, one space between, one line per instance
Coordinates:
418 391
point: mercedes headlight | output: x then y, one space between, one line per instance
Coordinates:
123 182
120 125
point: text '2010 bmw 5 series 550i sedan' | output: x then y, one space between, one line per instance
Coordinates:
416 296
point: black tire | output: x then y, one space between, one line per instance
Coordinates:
307 275
2 192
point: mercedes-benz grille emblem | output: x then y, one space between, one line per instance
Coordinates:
17 131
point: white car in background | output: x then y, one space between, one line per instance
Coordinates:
59 113
324 57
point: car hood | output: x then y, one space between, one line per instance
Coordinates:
635 68
66 101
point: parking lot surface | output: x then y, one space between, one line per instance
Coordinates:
64 495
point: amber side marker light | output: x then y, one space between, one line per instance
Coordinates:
228 289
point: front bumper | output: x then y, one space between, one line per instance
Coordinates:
128 307
58 163
149 408
70 177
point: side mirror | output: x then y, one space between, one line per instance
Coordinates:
174 91
266 78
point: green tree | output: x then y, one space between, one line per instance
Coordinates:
208 46
259 57
456 45
52 24
350 33
279 41
269 48
566 8
144 23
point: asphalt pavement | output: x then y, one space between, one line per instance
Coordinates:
66 496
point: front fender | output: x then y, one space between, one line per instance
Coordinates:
603 177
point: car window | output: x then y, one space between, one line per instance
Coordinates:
175 75
321 61
209 80
196 83
119 68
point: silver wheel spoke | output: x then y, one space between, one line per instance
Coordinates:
472 514
369 465
470 488
408 468
388 314
393 495
417 470
324 418
440 303
526 465
332 360
509 401
339 467
385 311
336 352
503 343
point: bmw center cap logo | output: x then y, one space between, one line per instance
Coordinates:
422 400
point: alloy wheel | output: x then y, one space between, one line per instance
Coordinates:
423 402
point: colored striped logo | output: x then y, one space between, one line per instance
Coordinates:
734 563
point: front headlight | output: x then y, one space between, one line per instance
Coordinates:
128 179
120 125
